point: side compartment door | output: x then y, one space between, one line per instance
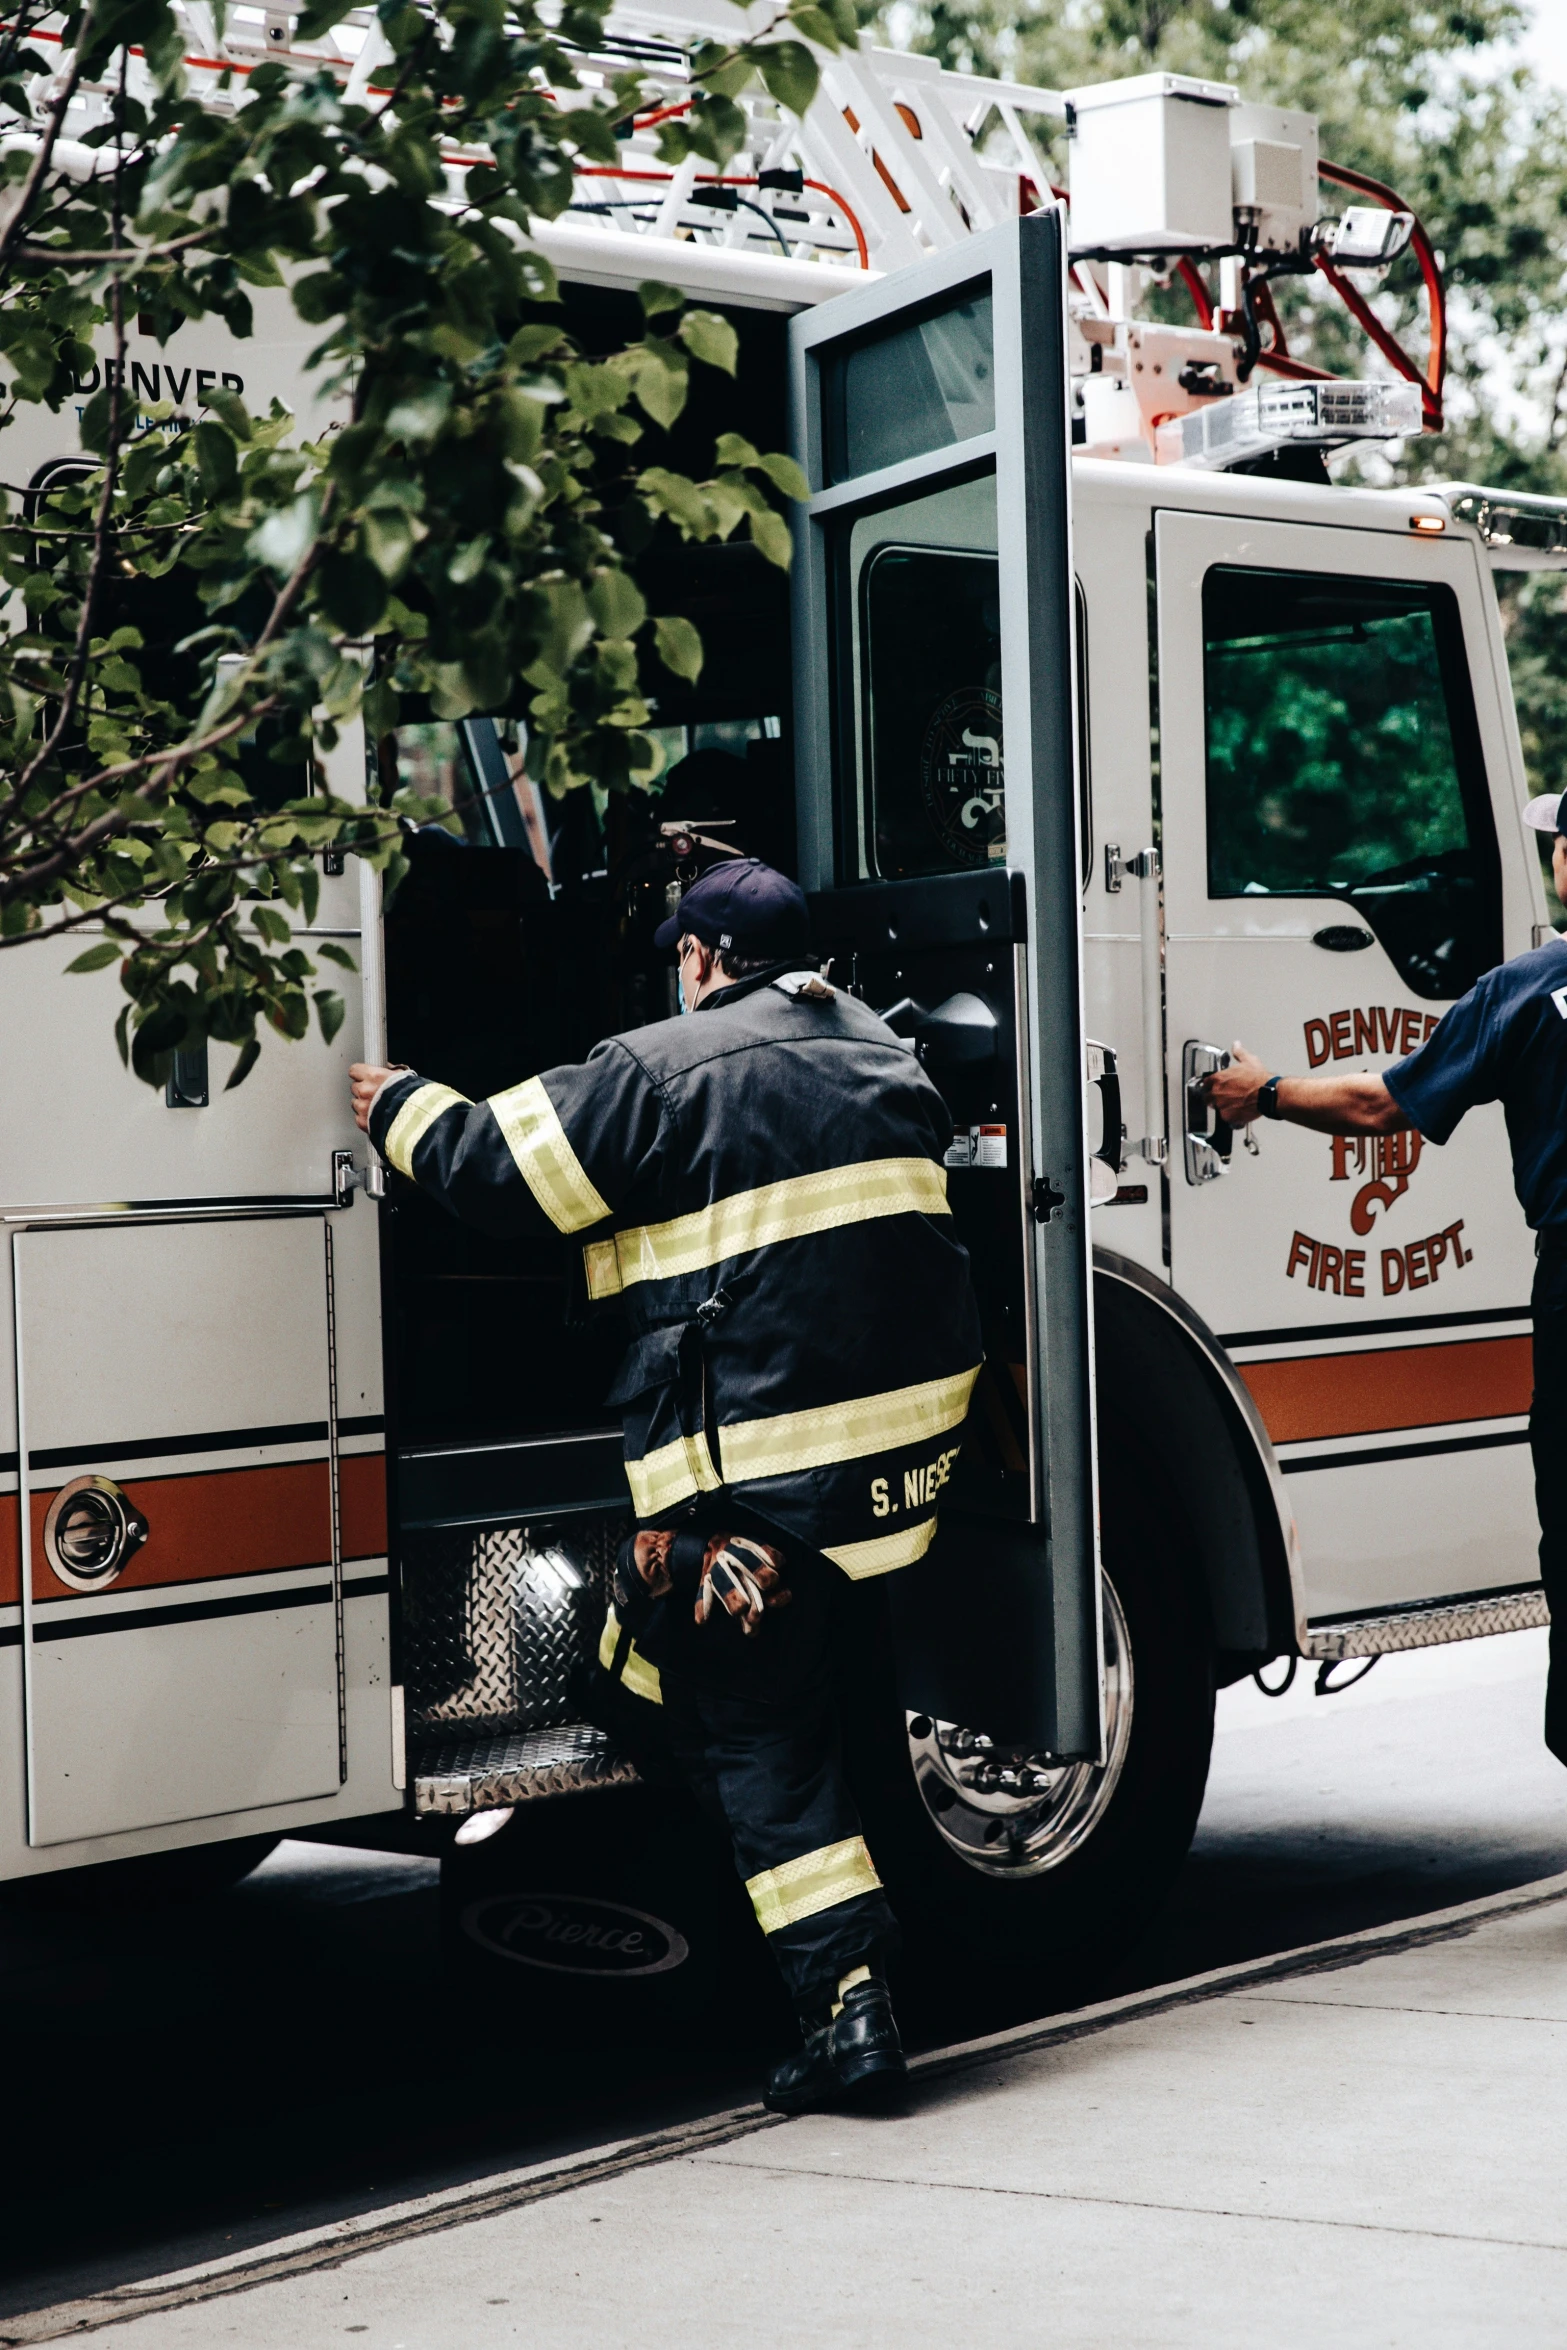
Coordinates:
1334 879
939 834
181 1575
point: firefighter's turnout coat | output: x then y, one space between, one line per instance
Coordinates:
761 1186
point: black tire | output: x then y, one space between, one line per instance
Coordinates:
996 1946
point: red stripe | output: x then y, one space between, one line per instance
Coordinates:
1392 1387
226 1522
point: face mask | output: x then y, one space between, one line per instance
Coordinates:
680 985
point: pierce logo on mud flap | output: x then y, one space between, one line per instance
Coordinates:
574 1934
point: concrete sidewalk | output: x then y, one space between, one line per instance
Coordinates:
1358 2145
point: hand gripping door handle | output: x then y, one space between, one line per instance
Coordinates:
1206 1138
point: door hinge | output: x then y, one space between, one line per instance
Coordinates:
1044 1199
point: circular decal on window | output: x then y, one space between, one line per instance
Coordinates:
574 1934
961 775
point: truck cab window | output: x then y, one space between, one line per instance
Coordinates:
1343 760
931 627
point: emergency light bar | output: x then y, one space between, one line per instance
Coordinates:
1276 416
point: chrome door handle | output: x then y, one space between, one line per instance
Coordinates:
1206 1138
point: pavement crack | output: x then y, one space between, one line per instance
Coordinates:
1479 2015
1288 2219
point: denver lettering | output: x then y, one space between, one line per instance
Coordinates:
1419 1262
1374 1033
143 382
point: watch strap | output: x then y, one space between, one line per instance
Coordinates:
1268 1099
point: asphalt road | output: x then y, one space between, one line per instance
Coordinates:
189 2081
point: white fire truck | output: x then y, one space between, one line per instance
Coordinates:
1090 764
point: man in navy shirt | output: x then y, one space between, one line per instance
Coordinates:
1505 1041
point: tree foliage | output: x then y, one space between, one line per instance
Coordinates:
1431 100
192 622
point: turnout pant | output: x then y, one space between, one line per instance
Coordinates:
1548 1444
751 1724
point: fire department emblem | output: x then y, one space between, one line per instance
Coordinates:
1388 1159
961 776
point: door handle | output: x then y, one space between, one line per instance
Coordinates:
1206 1138
1104 1168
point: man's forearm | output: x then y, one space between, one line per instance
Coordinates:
1341 1105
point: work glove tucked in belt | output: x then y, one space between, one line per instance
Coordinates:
725 1575
742 1577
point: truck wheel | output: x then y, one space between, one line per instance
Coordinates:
1035 1878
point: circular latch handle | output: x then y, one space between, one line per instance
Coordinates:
92 1531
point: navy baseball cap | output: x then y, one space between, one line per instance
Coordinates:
743 907
1548 813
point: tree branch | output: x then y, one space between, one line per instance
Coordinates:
37 171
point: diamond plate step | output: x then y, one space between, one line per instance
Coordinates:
514 1766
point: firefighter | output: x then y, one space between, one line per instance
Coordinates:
761 1188
1505 1041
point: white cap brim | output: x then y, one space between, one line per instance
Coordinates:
1541 814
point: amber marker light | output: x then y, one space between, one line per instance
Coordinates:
1428 526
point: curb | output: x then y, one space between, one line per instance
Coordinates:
348 2239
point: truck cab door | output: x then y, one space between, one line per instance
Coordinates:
939 839
1334 753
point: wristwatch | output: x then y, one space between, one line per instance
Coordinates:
1268 1099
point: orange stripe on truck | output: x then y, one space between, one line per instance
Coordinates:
361 1501
225 1522
1392 1387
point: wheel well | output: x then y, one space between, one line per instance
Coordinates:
1161 1399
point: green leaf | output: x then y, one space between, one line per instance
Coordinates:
661 380
98 958
711 339
249 1055
732 448
329 1011
656 298
771 535
353 592
331 952
216 460
679 647
784 474
789 73
616 603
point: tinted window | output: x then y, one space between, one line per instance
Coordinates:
1343 760
922 387
931 629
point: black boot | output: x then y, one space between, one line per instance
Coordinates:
853 2058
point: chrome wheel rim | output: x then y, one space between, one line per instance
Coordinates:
1011 1815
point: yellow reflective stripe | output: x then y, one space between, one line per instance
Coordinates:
414 1120
747 1220
845 1431
884 1552
549 1166
636 1674
660 1479
820 1880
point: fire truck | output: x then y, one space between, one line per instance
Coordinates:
1103 726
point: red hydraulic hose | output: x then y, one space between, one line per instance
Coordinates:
1436 359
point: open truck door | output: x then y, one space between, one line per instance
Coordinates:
940 838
